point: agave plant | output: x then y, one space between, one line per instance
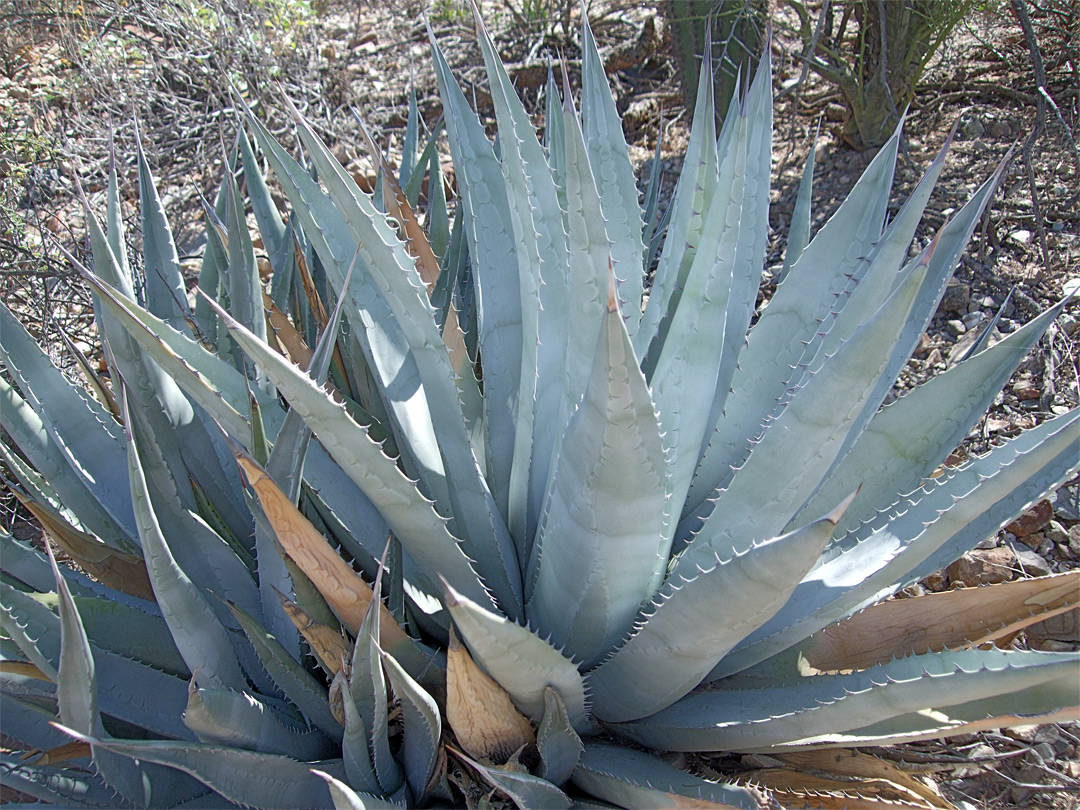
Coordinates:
595 518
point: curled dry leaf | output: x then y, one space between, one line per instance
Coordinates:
329 646
864 766
966 617
124 572
480 712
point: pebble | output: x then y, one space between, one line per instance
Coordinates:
1033 520
973 319
956 298
1031 562
982 567
1020 237
956 327
1056 532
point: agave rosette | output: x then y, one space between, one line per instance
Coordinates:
595 512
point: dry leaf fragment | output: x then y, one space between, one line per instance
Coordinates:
479 711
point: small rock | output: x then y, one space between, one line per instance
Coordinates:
1064 627
1000 129
1074 540
982 567
1069 324
1022 733
1020 237
1033 540
973 319
956 327
973 128
1026 389
1031 562
1057 533
1070 286
989 542
957 297
935 582
988 302
935 359
1032 520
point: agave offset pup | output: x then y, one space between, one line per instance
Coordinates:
597 519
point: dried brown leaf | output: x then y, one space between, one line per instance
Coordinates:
117 569
328 645
966 617
479 711
856 764
795 789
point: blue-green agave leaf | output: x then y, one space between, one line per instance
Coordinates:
615 181
799 229
345 798
520 661
600 549
242 720
918 535
166 294
697 619
492 247
253 780
422 727
200 637
634 779
794 453
528 792
421 531
559 745
298 685
821 708
64 787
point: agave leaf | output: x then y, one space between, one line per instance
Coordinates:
241 720
210 381
588 275
684 380
77 698
418 246
31 436
275 236
777 342
600 547
492 246
345 798
27 723
127 690
834 708
799 229
528 792
126 630
367 688
560 746
615 180
635 779
198 634
85 433
33 628
356 741
254 780
117 569
298 685
819 415
166 295
65 787
392 271
38 488
938 621
755 112
519 661
422 726
693 194
919 535
542 259
904 442
412 519
694 621
555 132
438 217
203 554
